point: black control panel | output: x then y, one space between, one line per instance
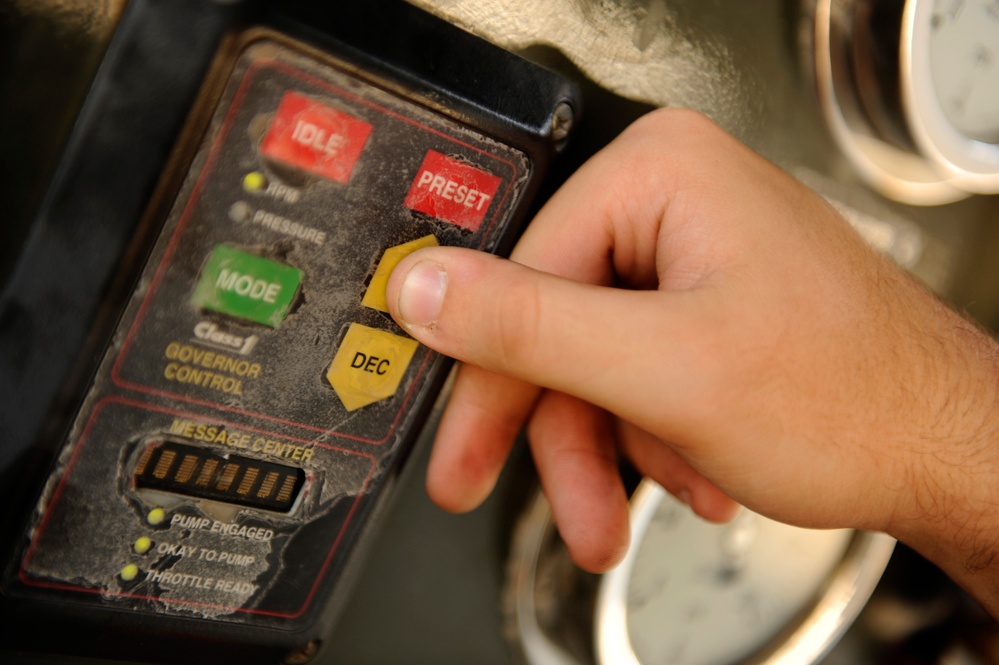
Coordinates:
255 399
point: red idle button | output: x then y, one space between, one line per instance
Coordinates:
315 137
452 191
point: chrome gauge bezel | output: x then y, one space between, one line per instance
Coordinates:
554 612
806 641
894 171
970 164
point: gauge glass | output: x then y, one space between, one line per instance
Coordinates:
707 594
949 79
964 62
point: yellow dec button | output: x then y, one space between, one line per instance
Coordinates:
369 365
374 297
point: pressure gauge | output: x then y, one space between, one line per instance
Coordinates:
690 592
694 593
910 90
950 87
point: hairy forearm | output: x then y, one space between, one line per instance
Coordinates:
950 511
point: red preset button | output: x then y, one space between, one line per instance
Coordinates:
315 137
452 191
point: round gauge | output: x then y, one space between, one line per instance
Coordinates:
910 90
690 592
950 87
695 593
962 45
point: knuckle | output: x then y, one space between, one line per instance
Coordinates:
670 124
516 325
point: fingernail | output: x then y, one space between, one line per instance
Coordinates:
685 496
422 293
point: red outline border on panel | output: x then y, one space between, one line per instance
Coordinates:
57 494
182 223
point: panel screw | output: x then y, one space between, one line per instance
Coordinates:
562 120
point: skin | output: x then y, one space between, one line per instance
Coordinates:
685 303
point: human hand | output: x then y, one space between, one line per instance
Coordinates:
686 302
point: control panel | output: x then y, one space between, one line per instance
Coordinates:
256 398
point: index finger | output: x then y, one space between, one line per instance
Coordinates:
587 232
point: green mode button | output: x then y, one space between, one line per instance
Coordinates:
247 286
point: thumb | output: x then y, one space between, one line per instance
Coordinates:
603 345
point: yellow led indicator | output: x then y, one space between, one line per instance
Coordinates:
254 181
156 516
142 545
129 572
374 297
369 365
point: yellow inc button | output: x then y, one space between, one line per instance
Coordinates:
369 365
374 297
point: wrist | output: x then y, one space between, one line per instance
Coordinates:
948 492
